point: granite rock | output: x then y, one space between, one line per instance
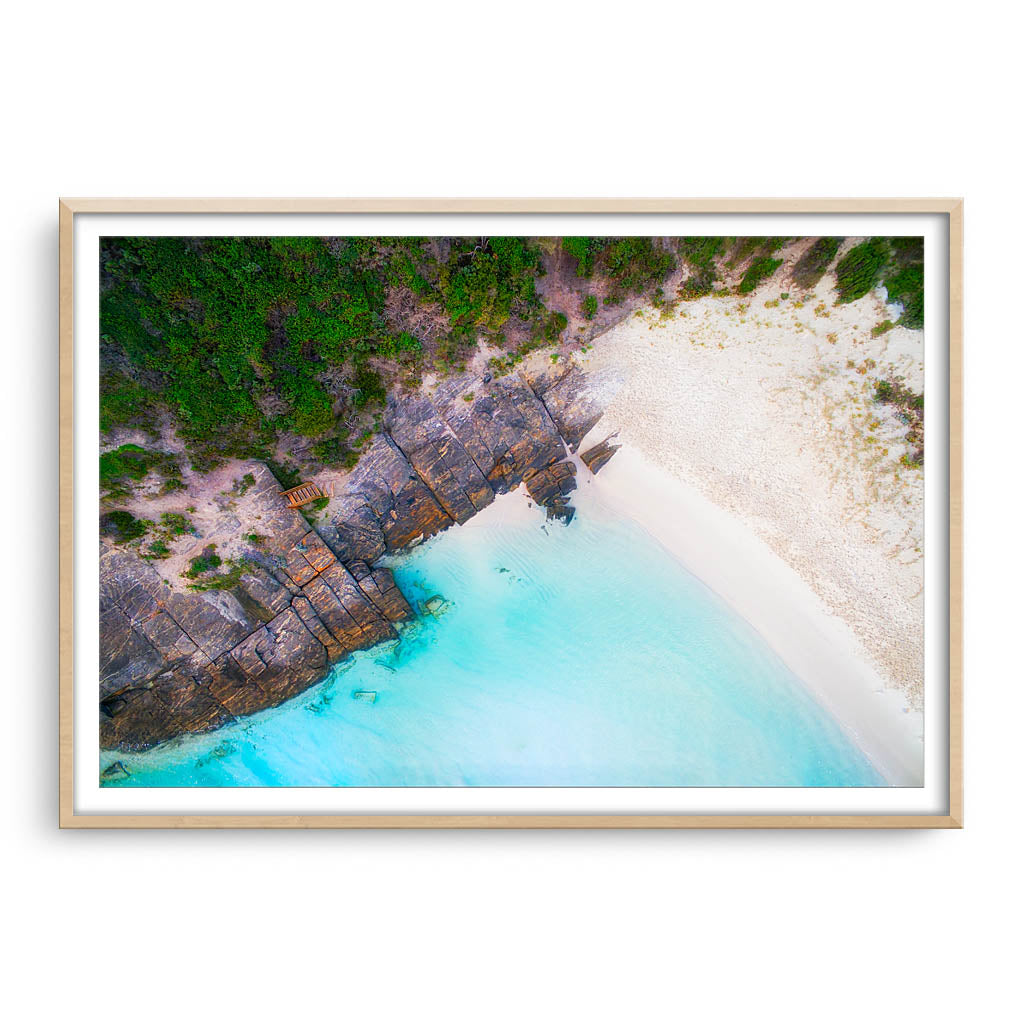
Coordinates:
175 661
596 457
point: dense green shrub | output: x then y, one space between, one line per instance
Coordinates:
583 251
122 526
635 264
554 325
700 252
369 387
904 280
590 306
861 269
483 282
123 402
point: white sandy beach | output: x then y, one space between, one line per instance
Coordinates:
754 452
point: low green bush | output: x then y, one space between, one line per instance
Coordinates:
759 270
861 269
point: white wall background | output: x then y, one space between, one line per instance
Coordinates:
529 98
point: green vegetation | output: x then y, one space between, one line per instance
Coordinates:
481 284
236 343
743 249
333 451
633 265
131 463
123 526
910 407
629 265
897 263
239 344
235 569
176 524
369 388
583 251
286 474
904 280
241 486
811 267
123 402
883 328
257 540
237 340
759 270
700 253
204 563
158 549
861 269
554 325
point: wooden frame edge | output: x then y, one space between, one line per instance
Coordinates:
68 207
515 821
550 204
66 440
956 511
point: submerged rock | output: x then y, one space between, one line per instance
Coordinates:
435 606
117 770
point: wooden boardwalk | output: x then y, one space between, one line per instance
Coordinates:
302 495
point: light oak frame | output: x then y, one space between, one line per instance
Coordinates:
951 207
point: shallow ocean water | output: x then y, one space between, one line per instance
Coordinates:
580 655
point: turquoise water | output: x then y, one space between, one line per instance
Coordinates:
564 656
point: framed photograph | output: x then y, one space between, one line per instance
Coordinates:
510 513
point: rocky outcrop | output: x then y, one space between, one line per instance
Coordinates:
385 507
596 457
175 662
420 429
574 400
471 440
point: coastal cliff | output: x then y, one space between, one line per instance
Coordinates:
306 594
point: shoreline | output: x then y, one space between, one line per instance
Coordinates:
753 449
758 585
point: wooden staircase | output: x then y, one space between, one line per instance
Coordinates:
302 495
